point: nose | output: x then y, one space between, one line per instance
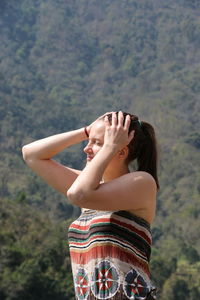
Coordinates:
88 148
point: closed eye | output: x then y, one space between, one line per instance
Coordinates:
98 143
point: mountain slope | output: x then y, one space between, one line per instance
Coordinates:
64 63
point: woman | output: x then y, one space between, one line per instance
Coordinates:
110 243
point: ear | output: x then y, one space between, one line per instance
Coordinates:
123 153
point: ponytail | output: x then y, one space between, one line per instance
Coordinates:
143 149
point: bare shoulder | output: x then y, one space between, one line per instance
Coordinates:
144 179
147 192
143 185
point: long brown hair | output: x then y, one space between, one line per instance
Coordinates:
143 147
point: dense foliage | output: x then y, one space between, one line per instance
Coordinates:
63 63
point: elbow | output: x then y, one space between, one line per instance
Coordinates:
24 153
75 197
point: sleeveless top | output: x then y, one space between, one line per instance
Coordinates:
110 254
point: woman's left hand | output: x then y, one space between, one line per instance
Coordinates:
116 134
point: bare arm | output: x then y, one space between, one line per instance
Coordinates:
38 156
50 146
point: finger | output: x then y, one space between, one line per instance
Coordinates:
120 118
127 122
103 116
114 119
107 113
106 121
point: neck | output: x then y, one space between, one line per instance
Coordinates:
115 173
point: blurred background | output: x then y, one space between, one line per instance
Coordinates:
62 64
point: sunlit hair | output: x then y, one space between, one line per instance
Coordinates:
143 147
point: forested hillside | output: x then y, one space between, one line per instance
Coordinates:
62 64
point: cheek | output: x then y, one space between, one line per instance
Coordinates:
96 148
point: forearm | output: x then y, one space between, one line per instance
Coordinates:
50 146
90 177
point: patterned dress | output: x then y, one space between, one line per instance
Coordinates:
110 254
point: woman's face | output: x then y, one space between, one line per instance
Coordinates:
96 140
